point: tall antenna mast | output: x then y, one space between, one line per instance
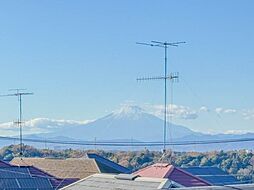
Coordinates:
172 76
19 94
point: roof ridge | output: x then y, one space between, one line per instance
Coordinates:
40 170
108 162
6 163
142 169
171 169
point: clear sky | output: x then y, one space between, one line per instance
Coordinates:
81 61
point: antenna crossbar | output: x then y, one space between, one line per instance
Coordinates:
172 76
168 43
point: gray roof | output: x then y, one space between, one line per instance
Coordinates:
119 182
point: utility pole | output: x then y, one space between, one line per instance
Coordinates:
172 77
19 94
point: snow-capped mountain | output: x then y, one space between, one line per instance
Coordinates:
129 122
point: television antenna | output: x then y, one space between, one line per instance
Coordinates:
173 77
19 92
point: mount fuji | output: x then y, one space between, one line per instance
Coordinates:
129 122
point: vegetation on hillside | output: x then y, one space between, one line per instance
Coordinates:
239 163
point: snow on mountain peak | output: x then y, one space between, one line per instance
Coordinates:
128 111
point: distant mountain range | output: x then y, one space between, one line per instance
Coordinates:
131 123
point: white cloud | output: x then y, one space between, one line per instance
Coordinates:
8 126
175 111
204 109
225 111
219 110
248 114
41 125
236 132
53 123
230 111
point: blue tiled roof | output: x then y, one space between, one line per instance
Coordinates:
19 178
14 172
214 175
28 178
38 183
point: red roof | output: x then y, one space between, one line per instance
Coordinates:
164 170
155 170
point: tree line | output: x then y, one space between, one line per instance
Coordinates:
239 163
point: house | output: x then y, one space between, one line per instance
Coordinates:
213 175
77 168
28 177
119 182
177 175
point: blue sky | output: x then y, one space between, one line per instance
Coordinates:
81 61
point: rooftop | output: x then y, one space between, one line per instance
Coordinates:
119 182
214 175
61 168
107 165
28 177
77 168
165 170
